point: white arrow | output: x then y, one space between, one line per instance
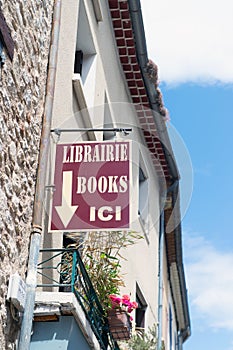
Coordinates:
66 210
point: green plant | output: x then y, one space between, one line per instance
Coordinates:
101 253
104 272
142 340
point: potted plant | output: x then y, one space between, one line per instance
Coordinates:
101 254
119 318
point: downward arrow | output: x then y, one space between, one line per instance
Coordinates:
66 210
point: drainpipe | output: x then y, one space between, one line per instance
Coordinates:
179 341
160 288
160 273
31 280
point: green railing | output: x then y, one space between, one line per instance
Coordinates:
64 269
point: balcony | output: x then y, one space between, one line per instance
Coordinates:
62 272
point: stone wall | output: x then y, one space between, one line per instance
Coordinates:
22 95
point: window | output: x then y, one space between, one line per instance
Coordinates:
78 63
143 200
85 56
2 56
5 40
141 310
69 241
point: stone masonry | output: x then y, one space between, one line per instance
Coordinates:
22 95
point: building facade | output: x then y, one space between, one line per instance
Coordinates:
98 88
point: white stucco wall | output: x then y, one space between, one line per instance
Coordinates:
107 81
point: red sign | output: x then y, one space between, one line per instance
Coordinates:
92 184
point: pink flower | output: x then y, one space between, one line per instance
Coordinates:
123 303
134 304
115 300
126 302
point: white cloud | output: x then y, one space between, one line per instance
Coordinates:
210 282
190 40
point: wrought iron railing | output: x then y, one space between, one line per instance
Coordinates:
64 269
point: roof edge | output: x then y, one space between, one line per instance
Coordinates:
142 55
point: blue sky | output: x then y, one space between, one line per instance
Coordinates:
191 41
203 118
